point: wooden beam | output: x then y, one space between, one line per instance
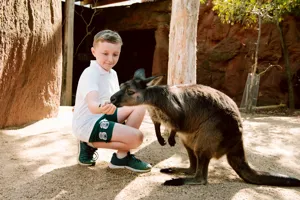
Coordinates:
66 98
85 2
96 3
106 2
270 107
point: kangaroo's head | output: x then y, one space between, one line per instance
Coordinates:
132 92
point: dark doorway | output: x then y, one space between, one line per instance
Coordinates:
137 52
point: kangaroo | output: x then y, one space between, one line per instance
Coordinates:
207 121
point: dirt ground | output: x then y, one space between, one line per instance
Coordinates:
39 162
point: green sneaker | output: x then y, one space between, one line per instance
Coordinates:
87 155
129 162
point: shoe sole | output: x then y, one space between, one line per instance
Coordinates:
112 166
84 164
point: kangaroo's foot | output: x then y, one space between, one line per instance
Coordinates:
176 170
185 181
171 141
161 141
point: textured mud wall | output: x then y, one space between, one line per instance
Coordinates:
31 61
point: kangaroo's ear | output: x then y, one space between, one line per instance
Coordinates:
154 80
139 74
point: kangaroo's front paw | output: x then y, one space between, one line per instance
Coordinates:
171 141
161 141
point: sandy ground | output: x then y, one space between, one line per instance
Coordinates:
39 162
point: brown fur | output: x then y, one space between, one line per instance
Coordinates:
206 120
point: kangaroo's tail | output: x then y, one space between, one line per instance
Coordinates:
236 159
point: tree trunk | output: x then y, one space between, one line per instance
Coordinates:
249 104
183 42
287 69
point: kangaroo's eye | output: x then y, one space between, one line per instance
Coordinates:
130 92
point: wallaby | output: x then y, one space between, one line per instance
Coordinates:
206 120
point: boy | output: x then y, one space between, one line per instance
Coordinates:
98 123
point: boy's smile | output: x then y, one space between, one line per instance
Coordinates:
107 54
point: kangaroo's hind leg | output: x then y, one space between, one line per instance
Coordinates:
188 171
200 177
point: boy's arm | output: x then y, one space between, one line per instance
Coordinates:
93 104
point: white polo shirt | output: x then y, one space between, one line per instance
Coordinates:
93 78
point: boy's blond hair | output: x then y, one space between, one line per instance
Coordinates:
107 36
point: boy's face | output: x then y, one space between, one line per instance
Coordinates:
107 54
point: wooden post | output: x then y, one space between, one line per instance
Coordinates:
66 94
182 66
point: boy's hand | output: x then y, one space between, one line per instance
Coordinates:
108 108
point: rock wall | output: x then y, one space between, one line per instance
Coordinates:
226 54
31 61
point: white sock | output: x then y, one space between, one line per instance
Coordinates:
91 145
121 155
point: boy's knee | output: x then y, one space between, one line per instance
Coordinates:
138 139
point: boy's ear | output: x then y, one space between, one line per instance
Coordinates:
93 51
154 80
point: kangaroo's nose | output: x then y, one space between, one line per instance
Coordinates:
113 99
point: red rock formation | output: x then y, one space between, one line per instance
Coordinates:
226 54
